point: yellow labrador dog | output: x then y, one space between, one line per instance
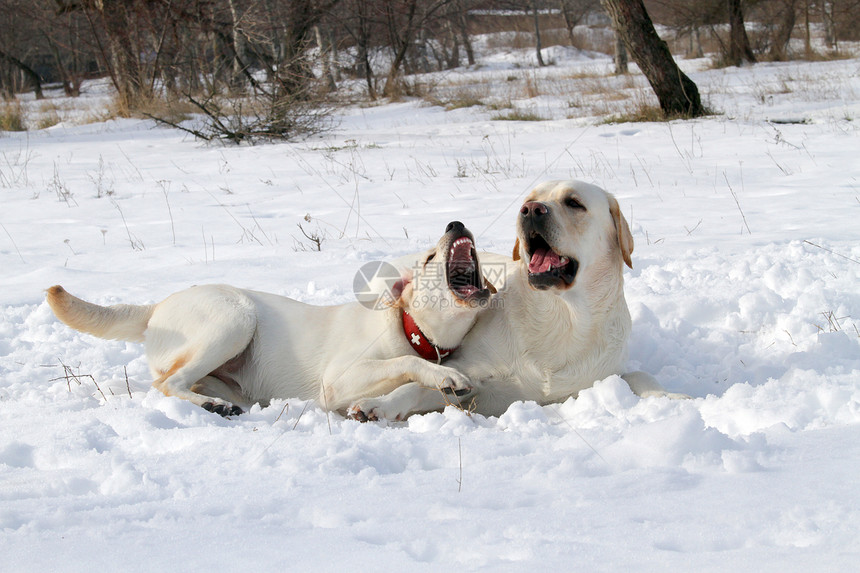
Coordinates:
222 347
560 321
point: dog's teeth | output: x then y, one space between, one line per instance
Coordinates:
459 242
563 261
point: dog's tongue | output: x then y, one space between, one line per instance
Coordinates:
543 260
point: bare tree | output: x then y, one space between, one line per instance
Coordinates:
400 18
356 19
786 17
122 50
67 39
848 20
31 76
457 15
574 12
689 17
16 68
404 19
677 93
740 51
300 17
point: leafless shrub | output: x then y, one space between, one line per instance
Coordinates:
69 375
315 237
270 113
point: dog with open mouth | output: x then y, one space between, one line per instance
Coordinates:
225 348
560 321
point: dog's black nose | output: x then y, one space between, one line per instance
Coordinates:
455 226
533 209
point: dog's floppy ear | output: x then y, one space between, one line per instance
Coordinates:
622 230
397 290
516 255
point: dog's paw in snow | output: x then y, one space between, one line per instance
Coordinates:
224 410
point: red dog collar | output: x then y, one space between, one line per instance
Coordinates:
420 343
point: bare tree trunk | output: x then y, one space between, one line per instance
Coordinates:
569 23
455 29
740 51
120 57
273 46
827 18
294 70
400 39
419 60
620 55
779 49
452 58
325 59
333 54
362 40
678 94
538 45
463 31
368 72
238 40
698 52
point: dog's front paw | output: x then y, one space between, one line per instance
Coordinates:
370 410
453 382
224 410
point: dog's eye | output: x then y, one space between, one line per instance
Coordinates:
429 258
574 204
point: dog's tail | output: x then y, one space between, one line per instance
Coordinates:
119 322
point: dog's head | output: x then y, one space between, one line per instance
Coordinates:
446 288
565 228
450 273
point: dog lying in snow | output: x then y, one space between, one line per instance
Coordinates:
222 347
560 321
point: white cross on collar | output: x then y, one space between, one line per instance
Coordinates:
416 340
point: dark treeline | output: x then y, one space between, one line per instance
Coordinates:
290 51
206 46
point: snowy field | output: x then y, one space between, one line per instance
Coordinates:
745 294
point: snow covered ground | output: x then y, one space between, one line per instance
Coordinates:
745 294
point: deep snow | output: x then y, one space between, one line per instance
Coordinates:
744 294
